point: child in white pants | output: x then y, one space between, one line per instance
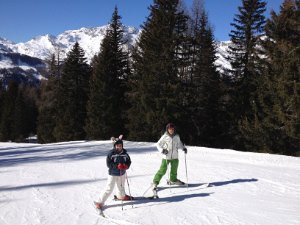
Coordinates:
113 181
117 161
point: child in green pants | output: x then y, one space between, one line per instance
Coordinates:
168 145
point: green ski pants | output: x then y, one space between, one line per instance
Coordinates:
163 169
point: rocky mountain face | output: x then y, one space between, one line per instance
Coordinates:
19 67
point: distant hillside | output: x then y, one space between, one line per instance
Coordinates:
20 68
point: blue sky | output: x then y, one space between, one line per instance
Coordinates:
22 20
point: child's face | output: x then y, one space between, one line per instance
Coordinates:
171 130
119 147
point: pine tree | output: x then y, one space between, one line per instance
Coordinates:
106 105
72 92
246 69
204 92
48 103
30 95
7 119
18 128
279 121
155 84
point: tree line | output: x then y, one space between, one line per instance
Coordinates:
170 75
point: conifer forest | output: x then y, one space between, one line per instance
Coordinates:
170 75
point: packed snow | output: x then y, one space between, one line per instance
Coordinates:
56 184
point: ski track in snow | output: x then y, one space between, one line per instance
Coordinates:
56 184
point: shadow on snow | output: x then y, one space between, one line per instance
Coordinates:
140 202
235 181
178 198
59 184
49 184
83 150
212 184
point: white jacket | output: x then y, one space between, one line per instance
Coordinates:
171 143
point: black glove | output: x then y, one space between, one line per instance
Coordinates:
165 151
184 150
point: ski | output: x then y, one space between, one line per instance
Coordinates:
151 192
204 185
99 210
117 199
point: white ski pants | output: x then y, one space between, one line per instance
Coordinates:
111 182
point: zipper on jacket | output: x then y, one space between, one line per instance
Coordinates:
172 148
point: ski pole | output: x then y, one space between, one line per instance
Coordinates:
128 187
168 170
121 187
186 173
169 174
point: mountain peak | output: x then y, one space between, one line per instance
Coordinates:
89 39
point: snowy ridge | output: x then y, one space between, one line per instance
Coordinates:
37 47
6 45
57 184
88 38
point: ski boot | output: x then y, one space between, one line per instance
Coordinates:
177 182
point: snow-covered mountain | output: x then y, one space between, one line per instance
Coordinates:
222 53
42 47
6 45
18 67
56 184
88 38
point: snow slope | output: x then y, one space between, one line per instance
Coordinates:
55 184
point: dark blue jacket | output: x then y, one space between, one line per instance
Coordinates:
114 158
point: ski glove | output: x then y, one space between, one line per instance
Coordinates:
122 166
164 151
184 150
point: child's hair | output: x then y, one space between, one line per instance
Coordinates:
170 125
119 141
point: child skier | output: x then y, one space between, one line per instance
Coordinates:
117 161
168 145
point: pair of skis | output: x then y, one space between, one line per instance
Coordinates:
155 189
153 196
100 209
